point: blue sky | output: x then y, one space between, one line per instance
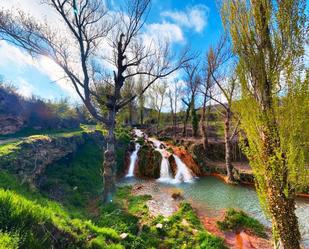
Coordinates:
195 23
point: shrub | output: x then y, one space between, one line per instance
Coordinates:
237 220
8 240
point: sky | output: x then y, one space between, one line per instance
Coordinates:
193 23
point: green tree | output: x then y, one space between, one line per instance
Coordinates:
268 37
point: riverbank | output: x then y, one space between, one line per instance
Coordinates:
166 200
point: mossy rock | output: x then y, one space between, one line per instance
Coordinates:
149 162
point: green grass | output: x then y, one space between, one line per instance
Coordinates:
26 132
8 148
237 220
182 230
41 226
9 241
78 178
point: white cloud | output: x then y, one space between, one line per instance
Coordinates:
194 17
14 56
164 31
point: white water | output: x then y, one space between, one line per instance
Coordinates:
183 173
133 159
165 174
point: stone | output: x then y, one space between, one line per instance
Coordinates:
123 235
159 226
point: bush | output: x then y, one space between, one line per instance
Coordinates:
9 241
237 220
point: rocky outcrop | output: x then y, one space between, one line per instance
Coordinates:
211 162
30 157
10 124
149 162
187 158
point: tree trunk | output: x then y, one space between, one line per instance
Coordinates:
184 133
203 125
158 122
284 220
228 151
130 114
280 197
109 161
174 124
142 116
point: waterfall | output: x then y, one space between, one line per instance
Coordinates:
183 174
165 174
133 159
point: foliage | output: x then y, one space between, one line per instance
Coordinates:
8 241
270 52
123 139
149 162
237 220
39 114
77 178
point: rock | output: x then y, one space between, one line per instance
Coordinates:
149 162
32 155
173 165
159 226
177 196
123 235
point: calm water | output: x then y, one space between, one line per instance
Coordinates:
213 195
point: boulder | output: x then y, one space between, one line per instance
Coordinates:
149 162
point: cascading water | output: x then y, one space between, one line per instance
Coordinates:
183 172
133 159
165 174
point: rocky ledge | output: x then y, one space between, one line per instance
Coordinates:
29 157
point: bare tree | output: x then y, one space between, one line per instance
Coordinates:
192 82
78 51
226 83
157 95
141 99
173 95
204 89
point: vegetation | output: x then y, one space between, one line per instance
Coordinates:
237 220
35 114
269 49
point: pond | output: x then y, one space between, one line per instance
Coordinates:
212 195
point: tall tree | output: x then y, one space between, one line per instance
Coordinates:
204 89
141 99
192 82
221 70
173 95
268 37
157 95
77 50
